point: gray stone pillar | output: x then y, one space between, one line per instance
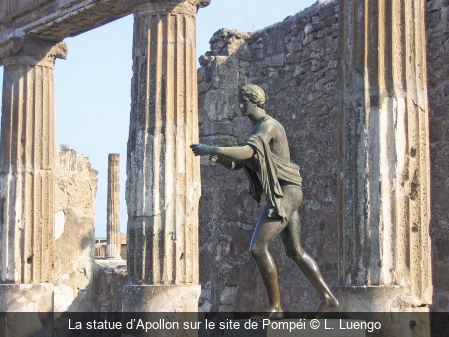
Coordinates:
27 162
163 185
113 245
384 157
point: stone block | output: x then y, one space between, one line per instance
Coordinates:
26 297
161 298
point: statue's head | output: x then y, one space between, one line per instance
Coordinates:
254 94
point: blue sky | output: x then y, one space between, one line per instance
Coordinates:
92 87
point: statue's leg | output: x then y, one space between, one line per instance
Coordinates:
291 241
266 230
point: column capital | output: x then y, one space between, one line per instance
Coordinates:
166 6
114 157
21 51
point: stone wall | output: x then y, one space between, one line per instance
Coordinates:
75 202
109 278
295 62
81 284
438 84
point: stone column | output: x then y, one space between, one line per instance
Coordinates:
27 162
163 185
113 245
384 157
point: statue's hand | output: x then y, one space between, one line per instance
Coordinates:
200 149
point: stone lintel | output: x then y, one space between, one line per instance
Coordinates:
174 3
56 20
144 8
161 298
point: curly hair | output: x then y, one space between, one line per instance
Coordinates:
254 93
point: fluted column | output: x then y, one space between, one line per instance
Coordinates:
384 154
27 168
163 185
113 245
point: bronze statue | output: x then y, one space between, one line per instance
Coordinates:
265 157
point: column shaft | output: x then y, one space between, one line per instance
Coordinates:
384 149
27 164
163 186
113 246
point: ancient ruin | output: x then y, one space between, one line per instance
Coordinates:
113 245
27 172
361 88
163 186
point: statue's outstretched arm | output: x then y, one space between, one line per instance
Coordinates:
233 153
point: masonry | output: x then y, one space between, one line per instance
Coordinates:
298 62
295 62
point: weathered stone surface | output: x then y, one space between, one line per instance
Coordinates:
163 185
384 189
300 80
20 301
310 69
296 61
113 245
26 297
161 298
55 20
438 74
27 163
75 202
163 182
110 277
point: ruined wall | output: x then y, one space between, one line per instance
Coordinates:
75 202
295 62
109 278
81 284
438 82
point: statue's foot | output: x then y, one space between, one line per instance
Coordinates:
327 304
269 313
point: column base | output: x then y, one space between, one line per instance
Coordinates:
367 298
27 308
26 297
161 298
399 314
376 299
112 252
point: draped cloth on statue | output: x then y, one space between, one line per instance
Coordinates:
271 169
